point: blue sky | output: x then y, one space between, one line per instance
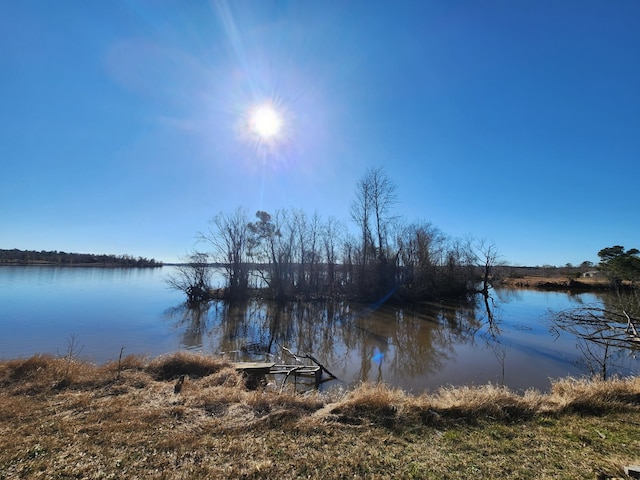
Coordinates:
123 124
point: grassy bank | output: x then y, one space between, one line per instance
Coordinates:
556 283
60 418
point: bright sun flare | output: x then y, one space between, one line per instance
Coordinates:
265 122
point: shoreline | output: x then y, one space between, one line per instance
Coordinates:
556 283
189 416
83 265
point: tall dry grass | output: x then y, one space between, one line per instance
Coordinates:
486 402
169 367
594 396
213 384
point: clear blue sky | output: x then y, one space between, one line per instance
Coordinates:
517 122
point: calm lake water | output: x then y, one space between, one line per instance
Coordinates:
46 309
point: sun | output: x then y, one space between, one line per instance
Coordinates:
267 127
265 122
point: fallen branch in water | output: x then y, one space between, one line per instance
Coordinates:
310 357
631 326
600 326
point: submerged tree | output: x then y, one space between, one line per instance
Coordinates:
193 278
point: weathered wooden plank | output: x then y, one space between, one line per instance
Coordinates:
253 366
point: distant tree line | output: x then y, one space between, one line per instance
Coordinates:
289 254
32 257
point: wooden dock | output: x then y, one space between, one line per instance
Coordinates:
256 372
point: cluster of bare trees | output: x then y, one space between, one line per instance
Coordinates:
285 254
289 254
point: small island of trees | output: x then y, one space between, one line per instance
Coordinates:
291 255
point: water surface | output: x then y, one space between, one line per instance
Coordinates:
100 311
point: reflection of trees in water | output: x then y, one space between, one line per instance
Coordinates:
401 342
194 321
248 328
425 337
606 335
481 322
357 342
255 328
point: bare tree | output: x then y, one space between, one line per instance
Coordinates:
371 211
458 273
331 234
361 213
383 197
228 234
314 252
300 255
349 262
193 278
272 245
420 247
487 258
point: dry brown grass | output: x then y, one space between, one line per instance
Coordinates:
529 281
123 420
593 397
168 367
